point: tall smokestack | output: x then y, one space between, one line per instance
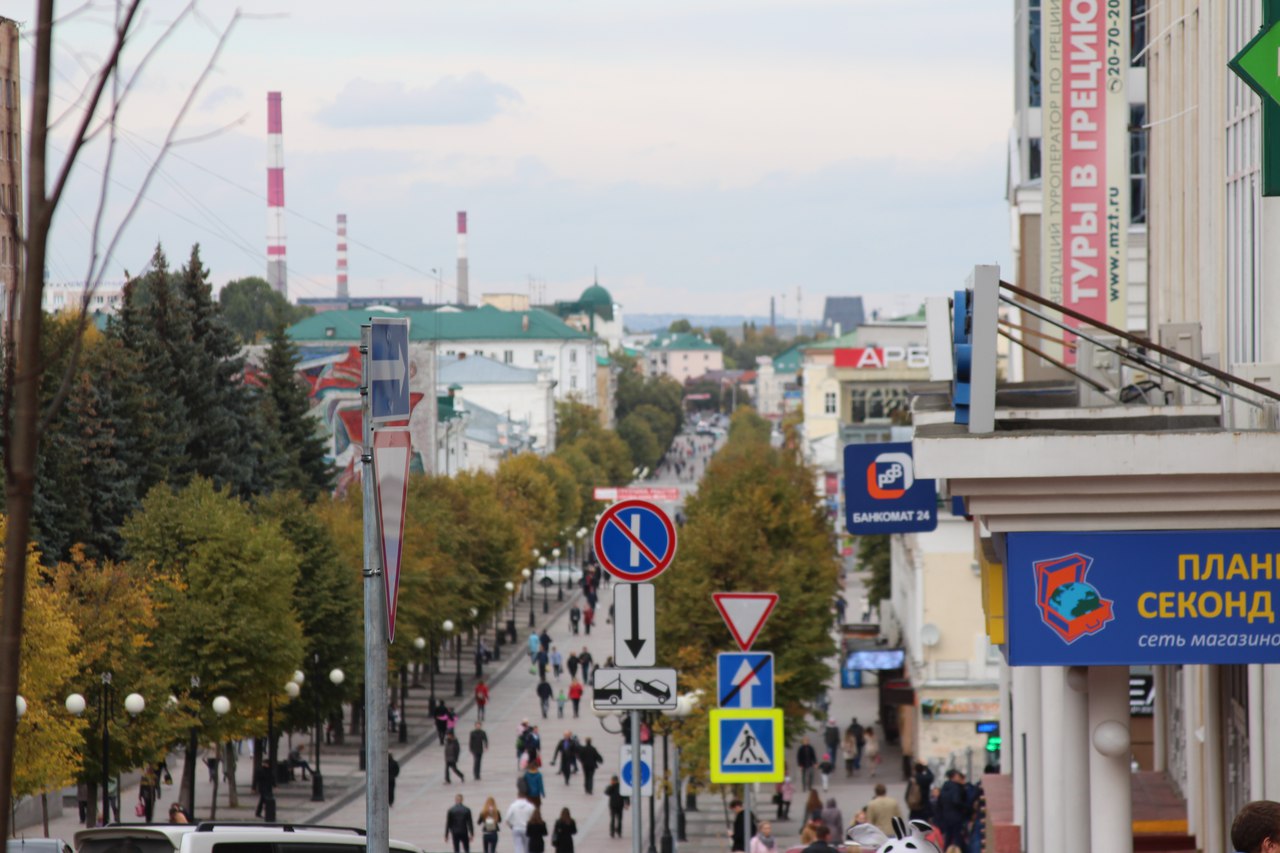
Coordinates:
277 271
342 256
773 316
463 295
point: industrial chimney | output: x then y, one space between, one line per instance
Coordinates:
342 256
463 295
277 270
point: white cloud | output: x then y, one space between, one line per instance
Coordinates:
470 99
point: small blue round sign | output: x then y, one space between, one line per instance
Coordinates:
646 773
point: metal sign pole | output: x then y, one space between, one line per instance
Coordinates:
375 630
637 803
746 816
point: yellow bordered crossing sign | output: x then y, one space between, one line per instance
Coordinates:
747 745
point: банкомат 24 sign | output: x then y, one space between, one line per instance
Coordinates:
1145 597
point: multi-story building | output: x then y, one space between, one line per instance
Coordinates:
104 301
11 168
777 383
682 356
523 395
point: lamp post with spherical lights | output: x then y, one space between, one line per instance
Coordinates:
336 677
134 704
511 623
555 560
545 583
448 630
526 574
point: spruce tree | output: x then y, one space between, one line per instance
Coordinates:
306 469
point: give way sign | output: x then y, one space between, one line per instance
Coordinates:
392 447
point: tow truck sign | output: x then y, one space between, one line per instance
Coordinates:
646 689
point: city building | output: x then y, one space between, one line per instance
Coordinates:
11 166
595 311
522 395
777 385
935 616
105 301
682 356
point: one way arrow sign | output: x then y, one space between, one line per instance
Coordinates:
635 625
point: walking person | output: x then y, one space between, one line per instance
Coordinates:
518 814
953 809
561 699
825 766
882 810
489 821
917 796
479 746
458 826
536 831
585 660
807 759
544 696
541 659
534 785
266 793
617 803
785 794
440 713
535 643
575 695
575 616
563 832
588 617
859 740
149 791
849 752
871 749
763 841
589 758
833 818
557 662
481 695
452 752
567 755
831 738
571 663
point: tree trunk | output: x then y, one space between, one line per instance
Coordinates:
188 771
44 812
213 798
91 812
233 795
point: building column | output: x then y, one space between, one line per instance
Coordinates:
1193 734
1159 718
1271 746
1028 781
1257 734
1110 795
1007 750
1215 829
1075 748
1053 766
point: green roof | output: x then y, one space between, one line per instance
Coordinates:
846 340
682 341
476 324
789 360
602 360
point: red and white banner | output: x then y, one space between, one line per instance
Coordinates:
637 493
1085 145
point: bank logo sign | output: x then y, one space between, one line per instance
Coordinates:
1123 598
882 493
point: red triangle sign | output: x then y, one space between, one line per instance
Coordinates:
745 613
392 448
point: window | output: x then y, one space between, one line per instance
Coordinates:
508 356
1033 158
573 356
829 403
573 381
1138 31
1137 164
537 355
1033 56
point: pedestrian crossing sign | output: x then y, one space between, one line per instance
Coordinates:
746 745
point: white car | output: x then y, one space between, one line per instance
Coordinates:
226 837
558 575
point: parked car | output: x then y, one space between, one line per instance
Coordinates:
36 845
560 574
226 837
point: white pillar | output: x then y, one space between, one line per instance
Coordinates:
1257 733
1215 832
1028 783
1193 731
1271 753
1110 795
1074 798
1053 766
1006 720
1160 720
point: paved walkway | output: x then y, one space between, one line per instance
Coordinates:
423 796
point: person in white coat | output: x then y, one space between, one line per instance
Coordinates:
518 814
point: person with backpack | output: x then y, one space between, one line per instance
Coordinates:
489 821
917 797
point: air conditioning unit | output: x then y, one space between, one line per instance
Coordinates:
1265 416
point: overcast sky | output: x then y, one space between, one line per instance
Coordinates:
702 154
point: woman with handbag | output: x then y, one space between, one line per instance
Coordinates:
490 821
565 830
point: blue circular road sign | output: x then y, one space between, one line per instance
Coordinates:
635 540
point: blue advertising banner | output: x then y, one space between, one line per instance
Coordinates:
881 492
1142 597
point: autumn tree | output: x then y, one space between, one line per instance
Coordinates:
753 525
228 619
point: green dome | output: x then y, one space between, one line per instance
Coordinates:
596 295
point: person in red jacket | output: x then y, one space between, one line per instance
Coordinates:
575 695
482 698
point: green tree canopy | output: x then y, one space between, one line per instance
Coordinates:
253 310
304 467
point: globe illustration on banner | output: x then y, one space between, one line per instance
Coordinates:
1075 599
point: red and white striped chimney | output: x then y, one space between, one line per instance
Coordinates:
342 256
463 284
277 271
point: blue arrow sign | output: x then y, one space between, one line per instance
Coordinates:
744 680
389 370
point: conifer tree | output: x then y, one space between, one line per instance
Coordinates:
305 467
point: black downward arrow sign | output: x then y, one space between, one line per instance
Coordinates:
636 642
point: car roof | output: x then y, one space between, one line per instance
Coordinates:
174 833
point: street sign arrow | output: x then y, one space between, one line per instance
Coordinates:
1258 64
635 629
745 613
744 679
389 370
392 447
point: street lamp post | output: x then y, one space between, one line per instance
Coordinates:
76 704
582 551
419 643
546 591
511 623
479 638
336 676
526 574
555 556
457 680
403 736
